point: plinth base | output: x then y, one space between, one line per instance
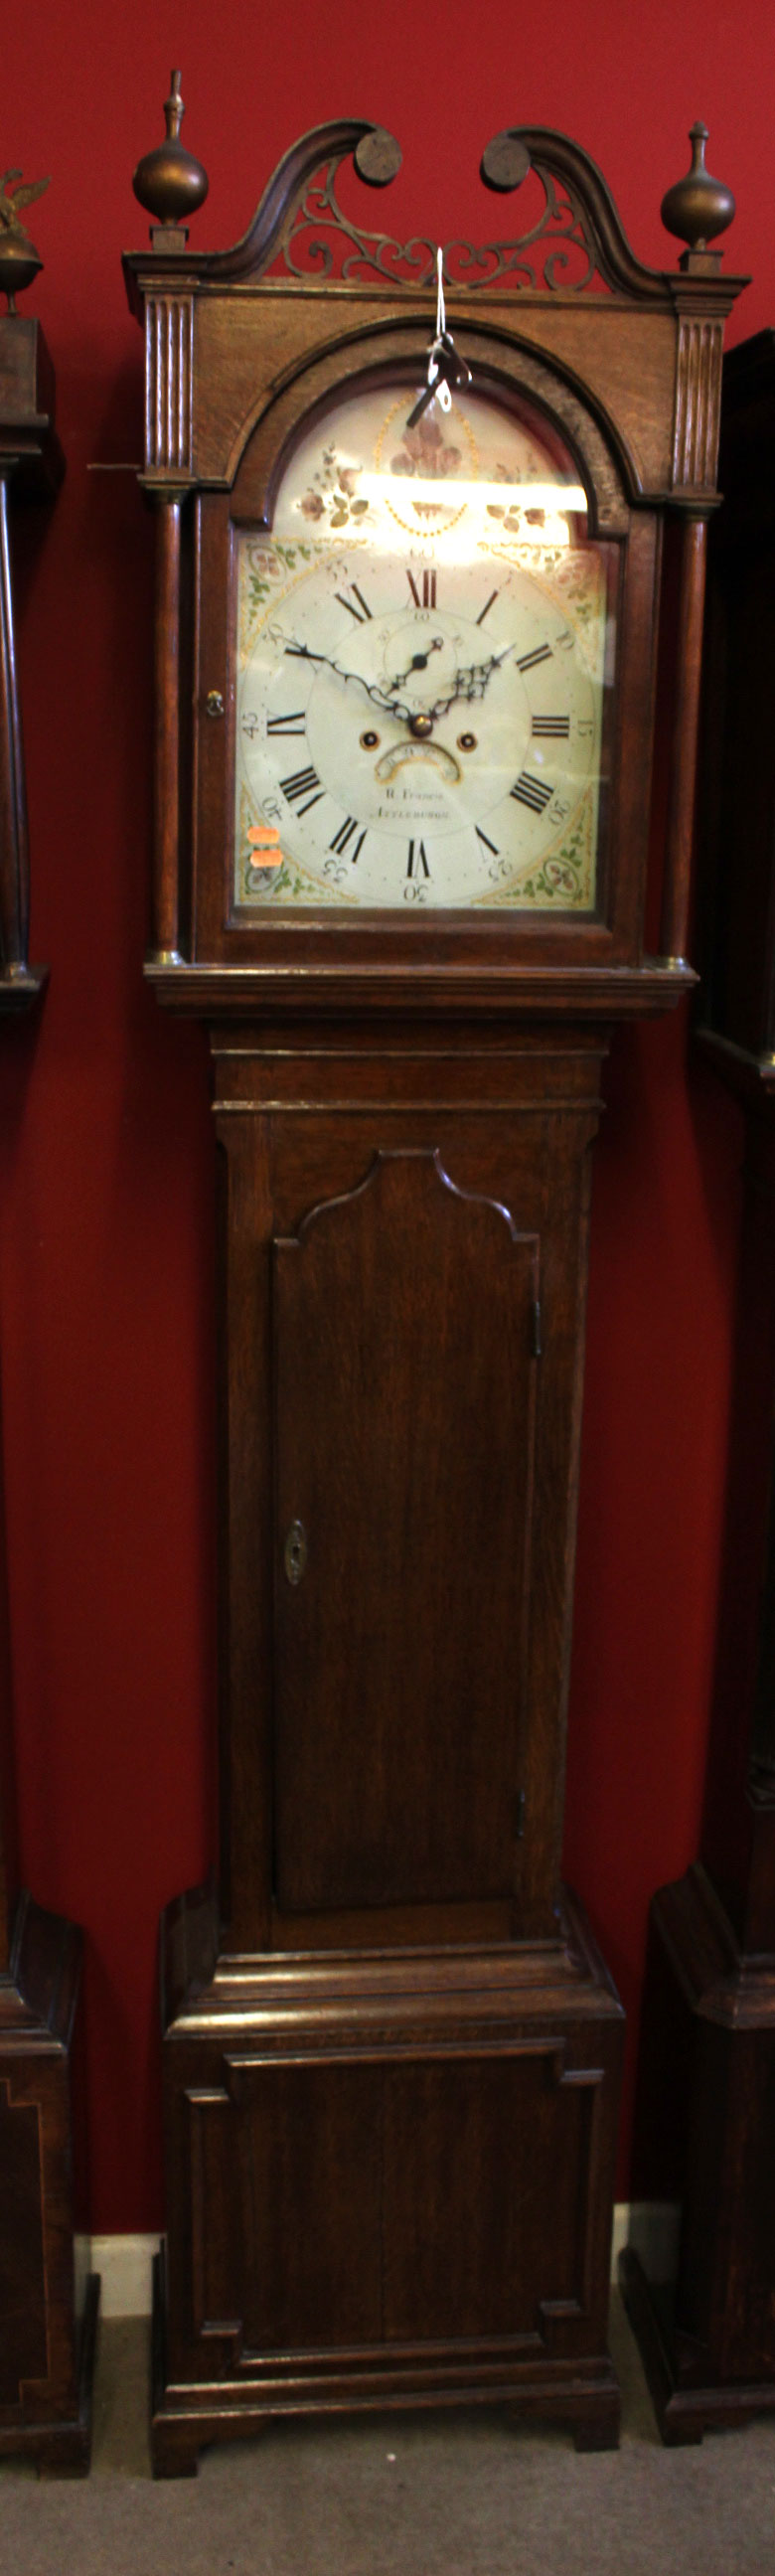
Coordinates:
685 2409
46 2356
390 2184
62 2448
708 2346
183 2421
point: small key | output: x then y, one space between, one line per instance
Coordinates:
427 396
445 369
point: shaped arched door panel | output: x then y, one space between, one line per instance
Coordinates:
405 1341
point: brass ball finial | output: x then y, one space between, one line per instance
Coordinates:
169 182
697 207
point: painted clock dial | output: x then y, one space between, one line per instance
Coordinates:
424 647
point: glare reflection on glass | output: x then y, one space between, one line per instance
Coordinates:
517 516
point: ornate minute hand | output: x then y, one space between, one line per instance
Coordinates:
390 706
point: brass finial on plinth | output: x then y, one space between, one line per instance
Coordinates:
169 182
698 207
19 260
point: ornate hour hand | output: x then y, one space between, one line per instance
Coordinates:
419 662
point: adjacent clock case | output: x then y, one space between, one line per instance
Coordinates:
48 2320
392 2050
708 2073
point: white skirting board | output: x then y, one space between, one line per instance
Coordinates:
124 2262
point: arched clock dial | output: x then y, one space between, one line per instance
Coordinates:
421 670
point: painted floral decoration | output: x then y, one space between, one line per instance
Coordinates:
426 451
334 495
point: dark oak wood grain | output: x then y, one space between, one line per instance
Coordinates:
337 2267
510 1125
412 1307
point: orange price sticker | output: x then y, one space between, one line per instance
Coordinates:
264 841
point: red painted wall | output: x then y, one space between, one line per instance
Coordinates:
105 1154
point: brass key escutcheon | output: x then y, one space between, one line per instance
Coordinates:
295 1552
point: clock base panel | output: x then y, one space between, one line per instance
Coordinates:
685 2408
390 2185
46 2351
708 2343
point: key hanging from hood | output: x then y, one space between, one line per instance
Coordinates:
445 368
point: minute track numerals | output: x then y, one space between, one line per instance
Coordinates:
431 767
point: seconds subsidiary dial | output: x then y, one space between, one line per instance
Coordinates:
421 667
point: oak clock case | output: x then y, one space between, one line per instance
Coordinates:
47 2335
405 687
709 2346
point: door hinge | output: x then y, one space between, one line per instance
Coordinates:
537 1341
519 1821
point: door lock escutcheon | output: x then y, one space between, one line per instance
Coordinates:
295 1552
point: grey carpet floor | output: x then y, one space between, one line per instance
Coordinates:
470 2495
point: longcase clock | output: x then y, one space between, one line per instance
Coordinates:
46 2345
405 680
